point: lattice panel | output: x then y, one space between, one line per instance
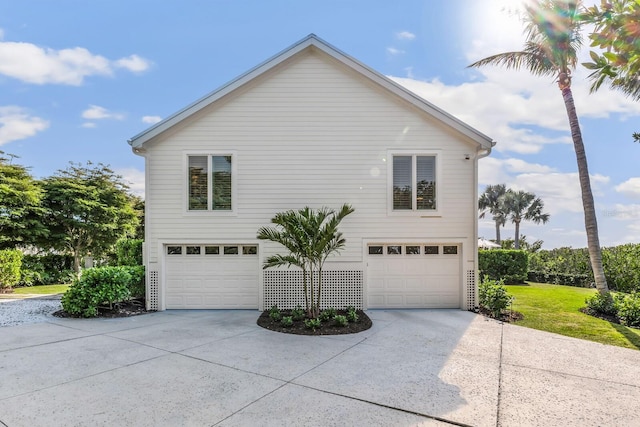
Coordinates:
471 290
340 288
152 297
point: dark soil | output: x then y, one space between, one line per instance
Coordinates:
130 308
326 328
506 316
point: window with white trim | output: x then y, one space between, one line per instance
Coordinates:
210 183
414 182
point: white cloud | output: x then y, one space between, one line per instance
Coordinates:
133 63
394 51
89 125
95 112
630 187
42 65
405 35
559 191
623 212
16 123
134 178
492 170
151 119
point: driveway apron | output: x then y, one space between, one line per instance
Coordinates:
217 367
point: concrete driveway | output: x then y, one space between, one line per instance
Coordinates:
414 367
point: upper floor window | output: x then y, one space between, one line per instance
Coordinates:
210 183
414 182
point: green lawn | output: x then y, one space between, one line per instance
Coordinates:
555 308
41 290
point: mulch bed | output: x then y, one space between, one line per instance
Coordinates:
123 309
506 316
327 328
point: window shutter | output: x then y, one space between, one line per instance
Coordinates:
198 183
426 182
402 178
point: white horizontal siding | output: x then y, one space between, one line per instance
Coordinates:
312 133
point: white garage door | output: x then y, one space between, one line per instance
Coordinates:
413 276
211 276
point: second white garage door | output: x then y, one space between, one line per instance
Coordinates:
413 276
211 276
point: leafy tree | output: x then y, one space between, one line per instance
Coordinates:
20 196
552 29
524 244
491 202
139 207
522 206
617 33
87 209
310 236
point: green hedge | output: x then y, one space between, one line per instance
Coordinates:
50 269
578 280
622 267
511 266
10 263
568 266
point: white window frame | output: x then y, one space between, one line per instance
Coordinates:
185 183
439 184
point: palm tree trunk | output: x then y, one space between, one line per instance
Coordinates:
304 289
516 240
590 221
498 232
319 288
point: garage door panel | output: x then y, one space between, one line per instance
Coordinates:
206 281
413 281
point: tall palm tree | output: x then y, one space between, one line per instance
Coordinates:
522 206
490 202
552 30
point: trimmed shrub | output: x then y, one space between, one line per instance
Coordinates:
493 296
601 303
511 266
137 283
97 287
10 263
628 307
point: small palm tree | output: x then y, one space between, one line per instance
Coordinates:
490 202
310 236
552 29
522 206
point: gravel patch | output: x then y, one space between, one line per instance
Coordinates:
15 312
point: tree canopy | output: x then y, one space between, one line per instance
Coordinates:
20 196
87 209
616 34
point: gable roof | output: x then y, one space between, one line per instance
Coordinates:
312 41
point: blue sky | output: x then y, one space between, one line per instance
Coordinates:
78 78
